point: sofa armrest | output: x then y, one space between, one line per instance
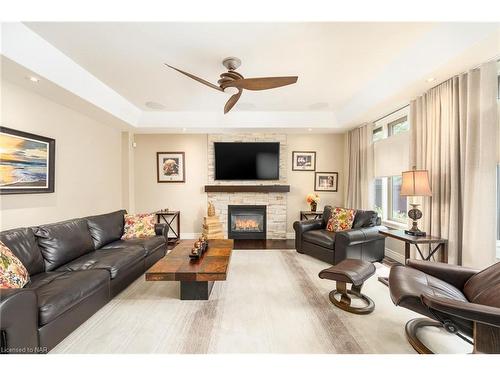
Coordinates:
18 321
450 273
162 230
307 225
356 238
465 310
303 226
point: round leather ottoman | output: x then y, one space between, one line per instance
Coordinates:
355 272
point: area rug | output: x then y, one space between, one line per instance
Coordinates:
272 302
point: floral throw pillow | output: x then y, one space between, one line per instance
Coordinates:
139 226
341 219
13 274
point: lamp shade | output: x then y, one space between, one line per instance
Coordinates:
416 183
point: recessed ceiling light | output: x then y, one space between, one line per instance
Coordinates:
33 79
309 130
154 105
430 79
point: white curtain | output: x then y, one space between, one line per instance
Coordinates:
359 168
455 137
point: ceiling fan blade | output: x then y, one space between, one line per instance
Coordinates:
232 101
264 83
201 80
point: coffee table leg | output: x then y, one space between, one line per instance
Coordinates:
196 290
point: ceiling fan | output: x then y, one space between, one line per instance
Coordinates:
234 79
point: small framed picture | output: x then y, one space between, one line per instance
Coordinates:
170 167
326 181
27 162
303 160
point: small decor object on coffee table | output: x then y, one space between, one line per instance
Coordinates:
170 167
313 199
199 247
326 181
303 160
355 272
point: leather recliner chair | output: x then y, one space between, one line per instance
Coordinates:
462 300
363 241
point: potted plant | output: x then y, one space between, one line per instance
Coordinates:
312 199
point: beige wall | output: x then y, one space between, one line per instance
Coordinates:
329 158
88 161
190 198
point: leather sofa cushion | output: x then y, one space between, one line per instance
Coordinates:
408 284
57 292
112 260
484 287
320 237
106 228
149 244
355 271
62 242
364 219
22 243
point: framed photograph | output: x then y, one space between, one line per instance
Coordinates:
26 162
170 167
303 160
326 181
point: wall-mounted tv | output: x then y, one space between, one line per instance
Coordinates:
247 160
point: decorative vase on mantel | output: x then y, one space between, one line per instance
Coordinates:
314 206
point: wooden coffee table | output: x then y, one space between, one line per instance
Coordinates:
197 277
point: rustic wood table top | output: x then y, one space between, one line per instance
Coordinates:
401 235
177 266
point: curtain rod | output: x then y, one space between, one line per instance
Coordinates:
387 115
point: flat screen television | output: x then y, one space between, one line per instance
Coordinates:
247 160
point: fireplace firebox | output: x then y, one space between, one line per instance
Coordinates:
246 222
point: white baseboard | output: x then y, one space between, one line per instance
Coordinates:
395 255
290 236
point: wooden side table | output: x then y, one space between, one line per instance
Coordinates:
311 215
169 217
435 244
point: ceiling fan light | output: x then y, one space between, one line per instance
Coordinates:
231 90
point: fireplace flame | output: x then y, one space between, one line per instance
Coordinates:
246 224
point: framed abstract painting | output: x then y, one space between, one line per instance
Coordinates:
170 167
27 162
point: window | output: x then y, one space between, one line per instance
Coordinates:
399 126
380 185
398 203
378 134
388 202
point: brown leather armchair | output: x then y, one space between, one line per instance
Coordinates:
464 301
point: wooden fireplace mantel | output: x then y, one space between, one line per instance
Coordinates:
247 188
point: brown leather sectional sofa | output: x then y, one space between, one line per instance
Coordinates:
75 268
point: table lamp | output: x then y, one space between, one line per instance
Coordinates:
415 184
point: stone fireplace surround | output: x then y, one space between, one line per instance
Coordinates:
276 202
